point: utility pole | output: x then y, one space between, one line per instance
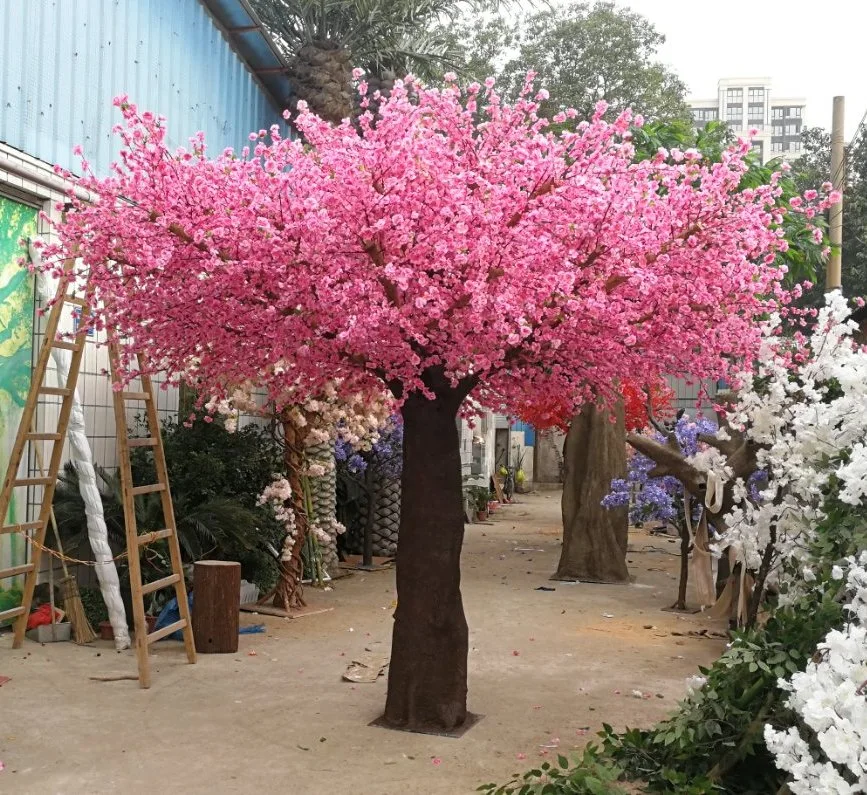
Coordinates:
833 275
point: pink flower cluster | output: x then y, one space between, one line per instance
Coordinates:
455 235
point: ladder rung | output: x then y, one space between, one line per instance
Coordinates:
151 487
20 528
135 395
137 441
73 299
15 611
45 437
156 535
158 585
55 390
33 482
164 632
15 571
66 346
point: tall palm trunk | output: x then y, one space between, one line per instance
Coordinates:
321 76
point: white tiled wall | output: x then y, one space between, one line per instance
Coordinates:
41 188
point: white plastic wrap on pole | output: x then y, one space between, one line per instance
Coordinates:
82 459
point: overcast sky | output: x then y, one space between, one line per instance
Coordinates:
815 49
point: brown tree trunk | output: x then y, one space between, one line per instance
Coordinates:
427 679
680 604
594 537
288 595
367 549
216 606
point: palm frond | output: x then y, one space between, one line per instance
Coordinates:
379 33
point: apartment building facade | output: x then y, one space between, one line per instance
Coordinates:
746 103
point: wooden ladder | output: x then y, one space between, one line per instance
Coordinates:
134 541
37 530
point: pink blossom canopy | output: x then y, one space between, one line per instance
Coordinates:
453 234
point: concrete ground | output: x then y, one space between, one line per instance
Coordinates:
547 668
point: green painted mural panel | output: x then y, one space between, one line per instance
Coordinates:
17 221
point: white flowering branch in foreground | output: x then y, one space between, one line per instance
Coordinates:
830 700
804 407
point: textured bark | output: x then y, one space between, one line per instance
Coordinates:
594 537
427 680
288 594
323 499
386 516
321 75
367 554
216 606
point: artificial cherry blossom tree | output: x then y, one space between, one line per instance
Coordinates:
454 247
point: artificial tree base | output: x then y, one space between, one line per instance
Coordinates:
354 563
459 731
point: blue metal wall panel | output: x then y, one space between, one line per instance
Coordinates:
63 61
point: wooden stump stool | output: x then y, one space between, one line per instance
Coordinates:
216 606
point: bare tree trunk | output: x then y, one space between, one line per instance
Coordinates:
427 678
680 604
367 550
594 537
761 578
288 594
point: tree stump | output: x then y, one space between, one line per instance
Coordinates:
216 606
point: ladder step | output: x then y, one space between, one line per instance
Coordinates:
151 487
158 585
66 346
148 538
20 528
7 614
74 299
46 437
55 390
161 633
33 482
141 442
136 395
15 571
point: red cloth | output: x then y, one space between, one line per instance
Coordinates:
42 616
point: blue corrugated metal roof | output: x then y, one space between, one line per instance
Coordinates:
63 61
254 44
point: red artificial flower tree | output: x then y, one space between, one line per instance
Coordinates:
550 411
658 397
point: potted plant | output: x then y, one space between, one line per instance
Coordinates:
481 503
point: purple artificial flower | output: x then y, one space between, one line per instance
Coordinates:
661 498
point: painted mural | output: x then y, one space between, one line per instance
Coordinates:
17 221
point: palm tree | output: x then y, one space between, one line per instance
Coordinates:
323 40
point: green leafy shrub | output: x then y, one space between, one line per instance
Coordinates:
593 775
215 479
94 606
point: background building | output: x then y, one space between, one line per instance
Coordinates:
746 103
